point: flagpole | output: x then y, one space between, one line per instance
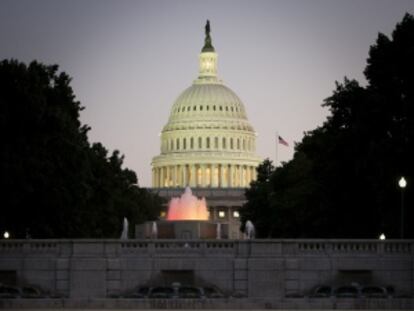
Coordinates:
276 149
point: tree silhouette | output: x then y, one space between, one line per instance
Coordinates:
54 182
342 180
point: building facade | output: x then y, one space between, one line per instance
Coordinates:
207 141
253 274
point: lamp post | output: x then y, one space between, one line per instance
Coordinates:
402 183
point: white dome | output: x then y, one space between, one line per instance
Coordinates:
207 141
208 105
216 99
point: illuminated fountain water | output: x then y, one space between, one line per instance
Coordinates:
187 218
187 207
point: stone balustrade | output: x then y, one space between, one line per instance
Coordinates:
274 247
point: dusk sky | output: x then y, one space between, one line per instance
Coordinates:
130 60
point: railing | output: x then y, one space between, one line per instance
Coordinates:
236 248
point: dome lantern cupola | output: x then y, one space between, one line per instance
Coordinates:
207 59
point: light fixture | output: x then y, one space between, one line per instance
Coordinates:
382 237
402 182
6 234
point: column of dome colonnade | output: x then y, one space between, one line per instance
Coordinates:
204 175
207 141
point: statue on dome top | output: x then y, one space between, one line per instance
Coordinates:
208 47
207 28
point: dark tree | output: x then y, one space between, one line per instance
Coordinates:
258 195
342 181
54 183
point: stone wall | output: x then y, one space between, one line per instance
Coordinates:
262 269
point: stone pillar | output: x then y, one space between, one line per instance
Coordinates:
161 177
237 177
242 176
220 175
197 175
226 170
168 173
234 177
171 182
192 176
248 172
176 176
184 175
211 177
203 175
214 175
230 175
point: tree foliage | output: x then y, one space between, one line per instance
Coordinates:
342 180
54 182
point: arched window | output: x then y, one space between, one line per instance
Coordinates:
200 143
184 143
171 144
214 107
188 108
244 144
238 143
208 107
208 143
191 143
194 108
201 108
231 143
216 142
224 143
178 143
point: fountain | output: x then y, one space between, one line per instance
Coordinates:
187 218
187 207
124 234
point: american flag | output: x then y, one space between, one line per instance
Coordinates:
283 142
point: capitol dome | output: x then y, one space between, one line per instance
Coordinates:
207 141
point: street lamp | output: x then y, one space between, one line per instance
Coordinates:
402 183
6 235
